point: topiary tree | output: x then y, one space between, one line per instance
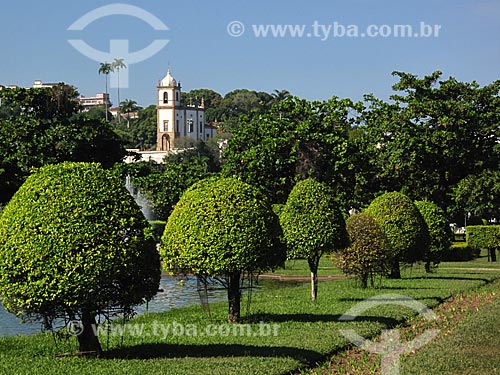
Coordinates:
404 227
74 244
222 228
439 231
367 255
312 225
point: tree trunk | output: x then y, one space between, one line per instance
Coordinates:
313 267
395 271
428 266
364 280
88 340
493 254
234 297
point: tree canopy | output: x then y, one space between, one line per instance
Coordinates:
403 226
74 244
312 225
42 126
222 228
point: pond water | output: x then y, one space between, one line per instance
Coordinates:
175 292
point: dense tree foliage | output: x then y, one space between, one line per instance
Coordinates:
431 135
74 244
439 231
222 228
42 126
163 184
479 194
404 227
484 237
368 254
312 225
295 140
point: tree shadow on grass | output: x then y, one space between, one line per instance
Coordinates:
160 350
451 278
313 318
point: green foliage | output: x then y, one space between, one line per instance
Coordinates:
403 225
41 126
72 240
479 194
158 228
220 226
367 255
459 252
431 135
438 227
164 184
483 236
140 132
312 223
295 140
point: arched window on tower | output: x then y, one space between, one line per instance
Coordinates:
177 96
165 97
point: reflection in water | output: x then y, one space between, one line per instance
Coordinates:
175 292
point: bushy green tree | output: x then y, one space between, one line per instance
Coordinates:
439 231
74 244
294 140
367 255
433 133
43 126
312 225
404 227
222 228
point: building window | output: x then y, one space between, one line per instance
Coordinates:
165 126
177 126
165 97
177 96
190 125
201 127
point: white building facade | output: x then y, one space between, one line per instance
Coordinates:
177 121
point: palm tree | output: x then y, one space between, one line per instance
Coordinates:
118 64
106 68
129 106
280 95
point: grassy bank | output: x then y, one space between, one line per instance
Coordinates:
306 332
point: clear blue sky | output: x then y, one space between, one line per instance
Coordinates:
202 54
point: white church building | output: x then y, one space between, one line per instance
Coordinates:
176 120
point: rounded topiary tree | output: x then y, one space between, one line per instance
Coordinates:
312 225
222 228
404 227
74 244
439 231
367 255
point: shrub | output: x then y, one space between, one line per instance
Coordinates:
312 225
459 252
222 228
404 227
484 237
74 244
367 255
439 231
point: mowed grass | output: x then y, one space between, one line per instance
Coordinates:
473 347
307 333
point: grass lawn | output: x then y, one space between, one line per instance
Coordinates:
306 333
471 346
